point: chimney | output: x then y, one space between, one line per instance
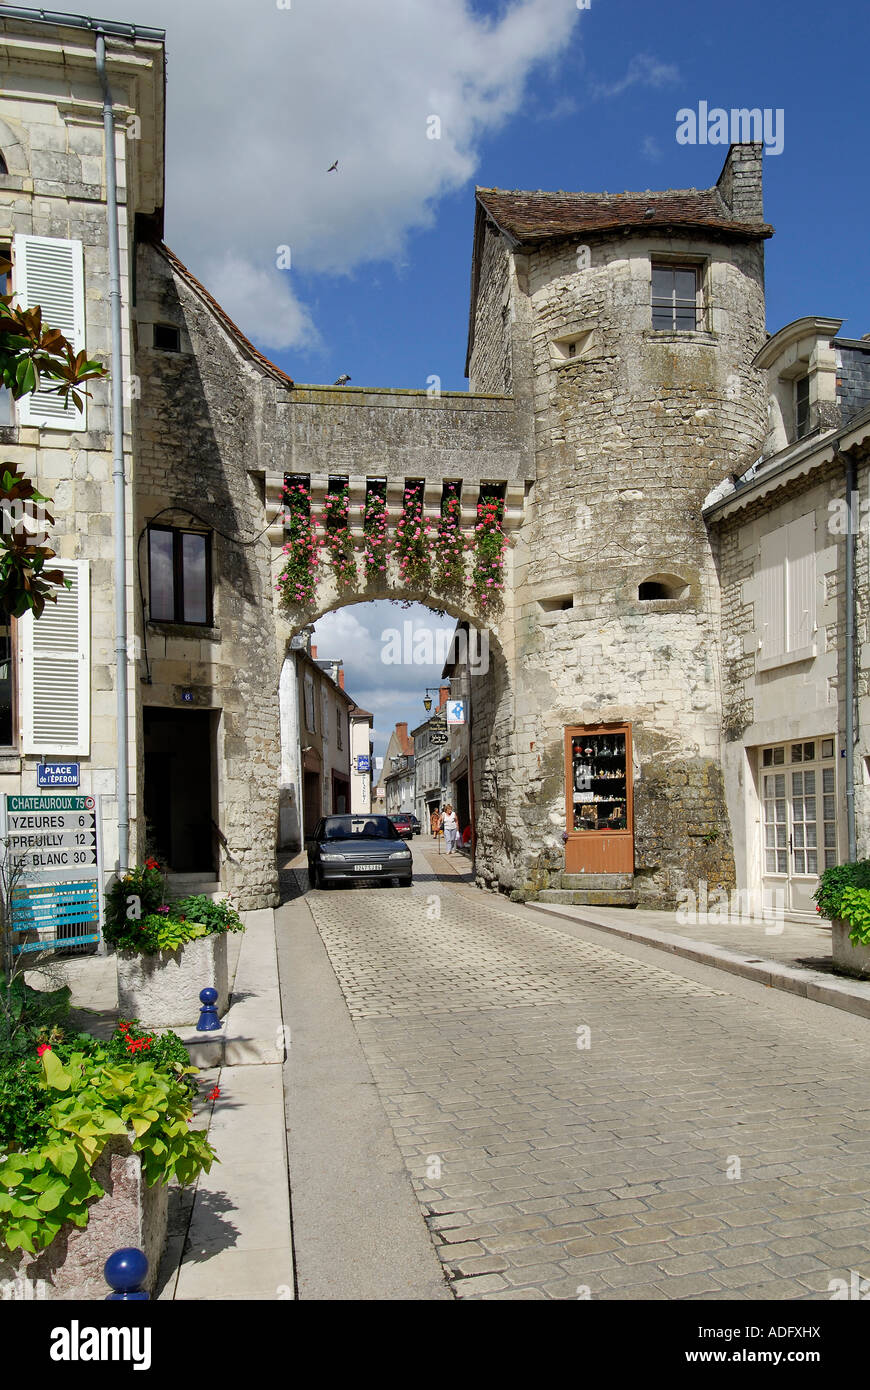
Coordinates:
443 696
341 678
402 734
313 653
740 183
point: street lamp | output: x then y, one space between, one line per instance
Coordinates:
427 702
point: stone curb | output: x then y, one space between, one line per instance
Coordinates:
252 1033
852 996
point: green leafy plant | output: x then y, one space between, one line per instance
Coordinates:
216 916
412 545
450 549
92 1099
487 578
855 909
338 541
298 578
376 521
130 898
834 882
23 1117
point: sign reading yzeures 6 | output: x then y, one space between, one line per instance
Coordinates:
52 833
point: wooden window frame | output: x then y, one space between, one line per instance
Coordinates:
178 619
698 268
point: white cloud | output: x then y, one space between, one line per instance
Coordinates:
261 100
392 691
650 148
643 71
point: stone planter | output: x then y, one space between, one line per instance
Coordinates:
162 990
130 1213
848 958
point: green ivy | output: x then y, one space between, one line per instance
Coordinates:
91 1099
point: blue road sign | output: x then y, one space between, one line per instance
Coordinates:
57 774
455 712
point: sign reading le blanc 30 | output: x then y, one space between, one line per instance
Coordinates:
52 832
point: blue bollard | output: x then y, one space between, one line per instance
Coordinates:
208 1018
124 1272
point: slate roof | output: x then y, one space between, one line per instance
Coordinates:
535 216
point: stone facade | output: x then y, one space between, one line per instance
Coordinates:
601 434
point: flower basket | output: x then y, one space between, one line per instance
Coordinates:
130 1214
162 990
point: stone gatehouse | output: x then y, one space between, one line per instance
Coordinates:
612 384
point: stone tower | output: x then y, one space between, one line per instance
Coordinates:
625 327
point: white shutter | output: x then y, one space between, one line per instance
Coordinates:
48 272
55 655
801 583
770 620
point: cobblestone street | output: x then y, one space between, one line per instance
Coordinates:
578 1120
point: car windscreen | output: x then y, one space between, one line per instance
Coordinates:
366 827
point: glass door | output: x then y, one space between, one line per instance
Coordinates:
799 818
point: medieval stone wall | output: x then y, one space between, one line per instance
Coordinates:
631 433
490 366
198 446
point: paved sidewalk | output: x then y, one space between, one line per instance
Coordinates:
793 956
797 959
231 1235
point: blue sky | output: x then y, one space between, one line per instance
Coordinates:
393 323
531 94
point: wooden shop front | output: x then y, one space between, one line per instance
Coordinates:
598 797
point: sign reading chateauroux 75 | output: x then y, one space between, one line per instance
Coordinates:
52 832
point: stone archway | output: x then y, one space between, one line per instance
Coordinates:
484 682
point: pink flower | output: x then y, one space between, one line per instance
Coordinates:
43 1047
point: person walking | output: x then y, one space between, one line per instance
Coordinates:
450 826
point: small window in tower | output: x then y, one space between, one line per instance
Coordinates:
675 298
4 168
662 586
802 407
167 337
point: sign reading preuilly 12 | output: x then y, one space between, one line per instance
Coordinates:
52 832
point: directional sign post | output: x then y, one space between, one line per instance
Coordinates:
56 844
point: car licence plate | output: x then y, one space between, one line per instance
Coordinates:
363 868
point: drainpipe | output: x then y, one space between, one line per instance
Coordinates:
851 508
120 521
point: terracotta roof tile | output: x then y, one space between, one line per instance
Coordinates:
529 216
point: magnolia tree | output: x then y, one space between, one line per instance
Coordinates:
33 357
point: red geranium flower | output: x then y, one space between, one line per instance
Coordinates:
213 1095
151 864
43 1047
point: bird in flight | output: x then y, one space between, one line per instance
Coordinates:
332 166
342 380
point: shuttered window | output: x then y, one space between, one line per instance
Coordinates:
48 272
787 594
55 655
